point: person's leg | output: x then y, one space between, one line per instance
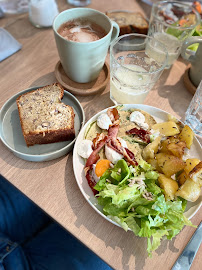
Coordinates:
54 248
20 218
12 256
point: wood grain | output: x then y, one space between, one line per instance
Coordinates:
52 185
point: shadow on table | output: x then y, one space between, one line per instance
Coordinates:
177 94
147 8
46 79
132 247
102 100
27 30
23 164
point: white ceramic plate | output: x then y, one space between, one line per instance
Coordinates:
78 162
11 132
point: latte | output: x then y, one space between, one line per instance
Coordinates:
81 31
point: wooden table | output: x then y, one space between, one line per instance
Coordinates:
52 185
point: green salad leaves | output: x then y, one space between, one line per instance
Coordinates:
131 197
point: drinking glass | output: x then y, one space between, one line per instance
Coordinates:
171 22
133 72
193 116
79 3
14 6
42 12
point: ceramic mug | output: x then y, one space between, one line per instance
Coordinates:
195 72
82 62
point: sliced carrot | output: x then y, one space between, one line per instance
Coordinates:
182 22
197 6
102 166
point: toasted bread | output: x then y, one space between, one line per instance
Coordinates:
129 22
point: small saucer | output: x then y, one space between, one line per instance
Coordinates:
11 132
82 89
187 82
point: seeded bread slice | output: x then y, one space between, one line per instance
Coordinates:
129 22
44 118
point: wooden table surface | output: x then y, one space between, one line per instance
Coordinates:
52 185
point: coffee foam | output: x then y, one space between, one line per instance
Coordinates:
80 31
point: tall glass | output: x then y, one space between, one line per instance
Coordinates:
133 72
14 6
171 22
193 116
79 3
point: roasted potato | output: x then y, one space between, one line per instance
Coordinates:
196 174
169 186
177 149
189 191
182 177
172 118
187 136
169 164
190 164
165 143
154 164
169 128
151 149
191 172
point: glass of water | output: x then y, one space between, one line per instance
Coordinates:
79 3
133 68
14 6
171 22
193 116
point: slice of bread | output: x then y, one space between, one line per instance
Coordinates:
44 118
129 22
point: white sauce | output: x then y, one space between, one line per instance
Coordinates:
123 142
103 121
95 177
139 119
85 148
154 134
112 155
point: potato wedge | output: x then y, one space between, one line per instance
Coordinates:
154 164
172 118
196 174
169 128
182 177
165 143
177 149
169 186
189 191
190 164
187 136
151 149
169 164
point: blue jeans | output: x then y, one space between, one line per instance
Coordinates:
30 240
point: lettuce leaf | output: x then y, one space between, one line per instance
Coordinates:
126 204
114 176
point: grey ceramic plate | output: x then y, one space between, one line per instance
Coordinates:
11 132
